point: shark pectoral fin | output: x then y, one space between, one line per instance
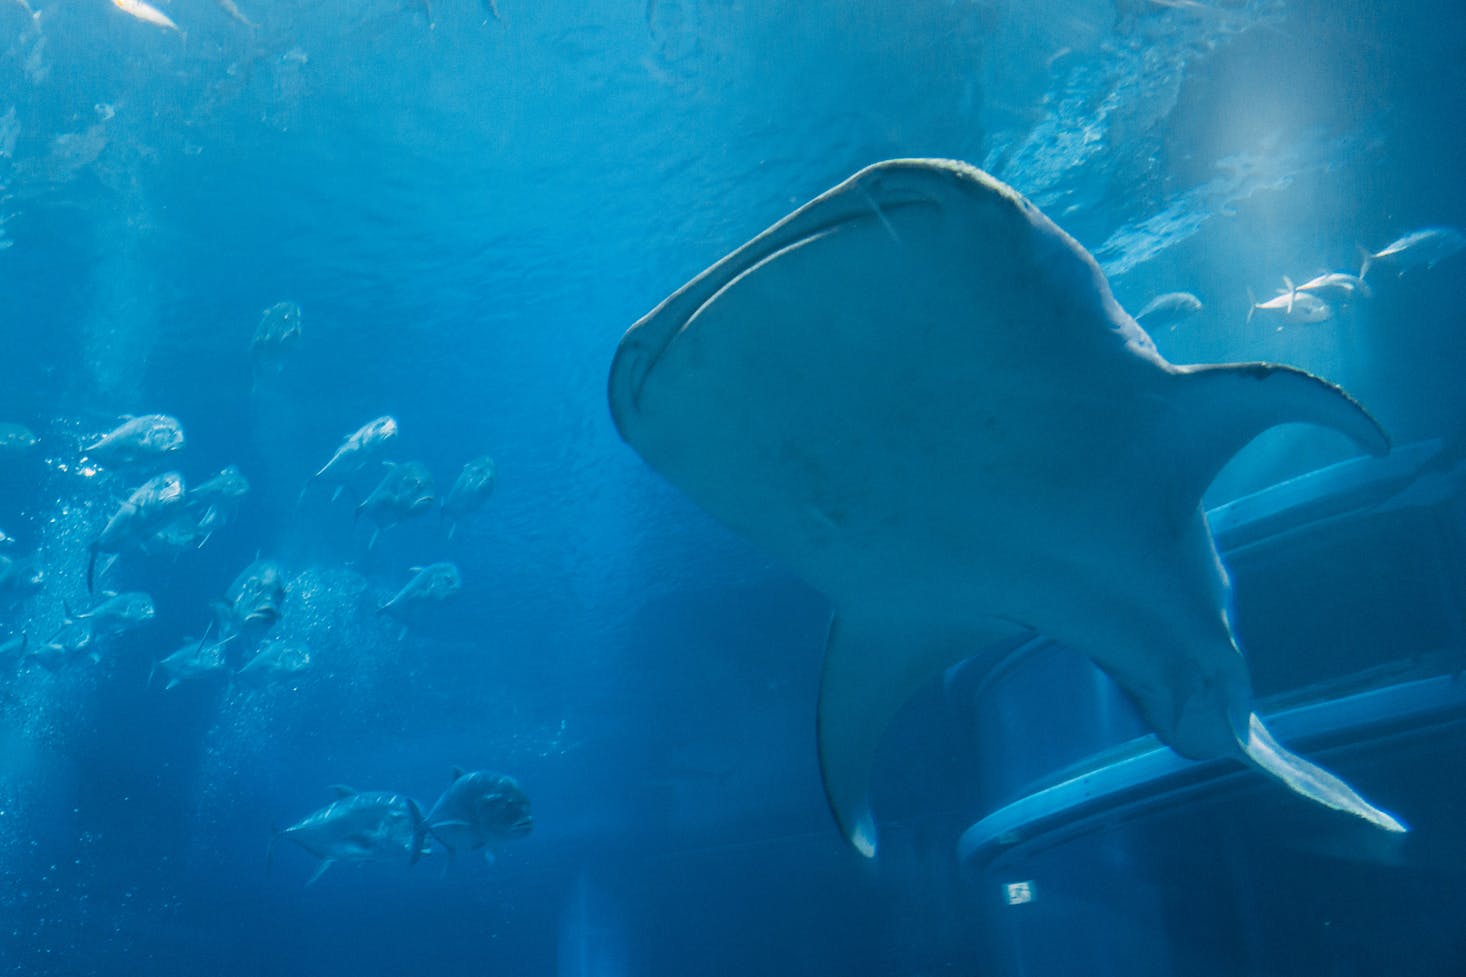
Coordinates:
325 864
871 668
1311 781
1229 404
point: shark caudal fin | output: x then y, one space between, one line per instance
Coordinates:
419 831
1313 782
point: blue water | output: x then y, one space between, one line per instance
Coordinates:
470 206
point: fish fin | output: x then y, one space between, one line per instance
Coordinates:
1366 258
337 494
172 684
872 666
1292 292
455 823
341 790
151 672
402 634
91 568
1311 781
325 864
419 832
1251 305
1232 403
456 772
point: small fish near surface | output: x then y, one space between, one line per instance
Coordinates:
363 445
1168 310
868 390
1424 248
405 491
471 489
275 661
148 509
194 660
479 811
365 826
137 440
146 13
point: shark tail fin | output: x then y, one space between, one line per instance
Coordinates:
419 831
91 569
1312 782
1251 304
1292 292
1366 258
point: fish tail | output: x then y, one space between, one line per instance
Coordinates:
419 831
275 835
1366 258
1251 304
91 570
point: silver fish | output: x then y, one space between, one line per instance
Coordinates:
138 439
406 490
361 446
471 489
1337 286
359 827
273 661
431 584
1425 248
194 660
277 334
479 811
256 598
149 508
1294 306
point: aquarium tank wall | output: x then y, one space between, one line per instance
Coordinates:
908 593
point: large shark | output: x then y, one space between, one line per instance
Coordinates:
920 393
